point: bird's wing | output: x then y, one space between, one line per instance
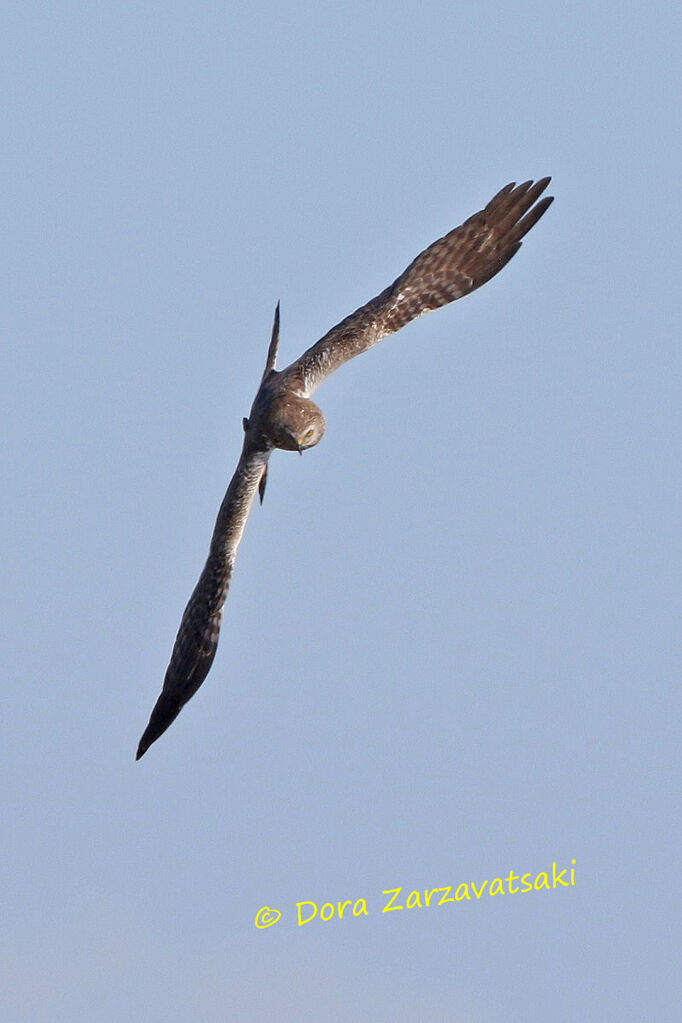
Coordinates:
197 638
453 266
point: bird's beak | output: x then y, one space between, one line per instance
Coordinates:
299 446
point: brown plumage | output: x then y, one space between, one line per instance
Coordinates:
282 415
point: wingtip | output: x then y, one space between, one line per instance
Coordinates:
143 745
165 711
539 187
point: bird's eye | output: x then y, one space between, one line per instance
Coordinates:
309 432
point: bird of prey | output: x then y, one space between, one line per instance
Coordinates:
283 416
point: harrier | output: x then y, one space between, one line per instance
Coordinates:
283 416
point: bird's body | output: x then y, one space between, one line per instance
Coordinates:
283 416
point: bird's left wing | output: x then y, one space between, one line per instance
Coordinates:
453 266
197 638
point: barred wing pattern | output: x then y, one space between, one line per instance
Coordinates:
197 639
450 268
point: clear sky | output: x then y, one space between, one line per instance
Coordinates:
451 648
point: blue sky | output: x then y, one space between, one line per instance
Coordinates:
451 647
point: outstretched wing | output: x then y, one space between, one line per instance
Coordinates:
197 638
453 266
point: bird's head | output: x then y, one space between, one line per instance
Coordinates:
296 423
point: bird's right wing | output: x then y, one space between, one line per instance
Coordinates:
451 267
197 638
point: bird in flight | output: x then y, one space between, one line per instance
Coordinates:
283 416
